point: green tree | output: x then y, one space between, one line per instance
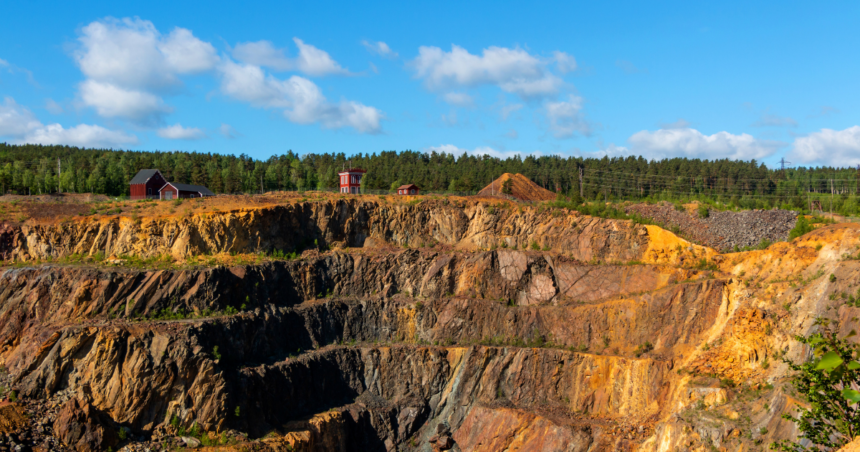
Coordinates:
828 382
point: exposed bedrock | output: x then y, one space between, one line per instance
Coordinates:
345 222
35 296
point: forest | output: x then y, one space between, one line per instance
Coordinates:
38 169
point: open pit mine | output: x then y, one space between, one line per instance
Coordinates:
365 324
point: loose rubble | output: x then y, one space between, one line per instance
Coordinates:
723 230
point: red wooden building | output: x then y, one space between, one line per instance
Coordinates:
350 180
408 189
146 184
172 190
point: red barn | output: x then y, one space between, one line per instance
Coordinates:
350 180
172 190
408 189
146 184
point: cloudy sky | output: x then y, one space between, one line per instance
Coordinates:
588 78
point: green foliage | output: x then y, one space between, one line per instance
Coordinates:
735 184
506 186
215 353
704 211
832 277
800 228
827 382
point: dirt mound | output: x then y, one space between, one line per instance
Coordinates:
521 188
726 229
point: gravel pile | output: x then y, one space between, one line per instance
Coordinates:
723 230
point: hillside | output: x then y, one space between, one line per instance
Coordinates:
521 188
361 323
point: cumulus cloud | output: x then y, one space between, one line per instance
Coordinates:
131 53
379 48
130 64
21 126
301 100
177 132
687 142
513 70
564 62
311 60
262 53
828 147
459 99
111 101
566 118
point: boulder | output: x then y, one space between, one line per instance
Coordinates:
83 428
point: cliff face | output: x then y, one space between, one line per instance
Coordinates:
467 345
346 222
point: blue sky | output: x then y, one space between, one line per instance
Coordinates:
732 80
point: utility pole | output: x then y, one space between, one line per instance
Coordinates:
831 199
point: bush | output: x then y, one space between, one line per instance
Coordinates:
825 382
800 228
704 211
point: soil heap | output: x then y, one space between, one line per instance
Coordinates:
521 188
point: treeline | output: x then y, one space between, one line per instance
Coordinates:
34 169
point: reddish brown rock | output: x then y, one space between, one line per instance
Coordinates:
83 428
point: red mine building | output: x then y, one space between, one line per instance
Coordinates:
146 184
350 180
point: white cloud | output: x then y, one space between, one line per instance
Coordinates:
3 62
459 99
129 64
19 124
380 48
53 107
828 147
512 134
564 62
301 99
513 70
82 135
131 53
177 132
111 101
316 62
228 132
262 53
686 142
16 120
480 150
768 119
566 119
311 60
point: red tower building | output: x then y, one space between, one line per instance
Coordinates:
350 180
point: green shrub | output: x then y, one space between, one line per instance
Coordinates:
704 211
800 228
